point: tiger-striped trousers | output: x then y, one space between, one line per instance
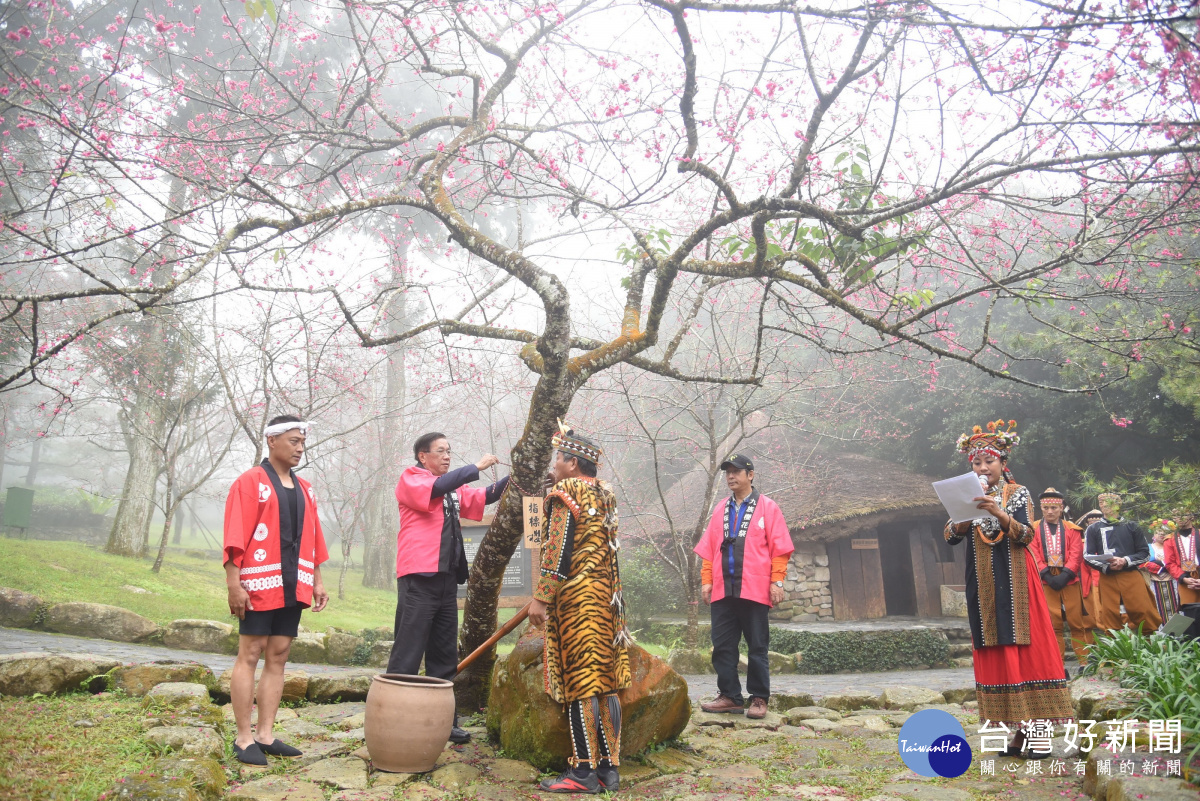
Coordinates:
595 724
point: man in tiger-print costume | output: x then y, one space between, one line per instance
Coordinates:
578 599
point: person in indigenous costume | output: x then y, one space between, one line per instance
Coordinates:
273 550
431 560
1162 583
749 541
1116 548
1019 673
1179 555
578 601
1089 578
1057 549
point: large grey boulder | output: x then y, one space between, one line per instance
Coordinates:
690 661
18 609
780 702
178 778
308 646
531 726
208 636
30 673
341 647
177 693
187 740
278 788
848 702
1099 699
381 651
909 697
137 680
340 685
99 620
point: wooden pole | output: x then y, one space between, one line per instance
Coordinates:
507 628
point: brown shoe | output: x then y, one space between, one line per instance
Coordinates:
722 703
758 709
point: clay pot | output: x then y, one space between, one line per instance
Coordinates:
408 721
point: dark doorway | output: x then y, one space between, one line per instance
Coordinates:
899 591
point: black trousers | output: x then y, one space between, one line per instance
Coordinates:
426 626
732 619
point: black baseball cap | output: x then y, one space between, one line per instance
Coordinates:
737 462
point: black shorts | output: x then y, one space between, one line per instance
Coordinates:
283 622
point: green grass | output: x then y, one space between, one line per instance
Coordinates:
44 755
187 586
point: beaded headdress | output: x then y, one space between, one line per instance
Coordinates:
567 441
1109 496
997 440
1051 497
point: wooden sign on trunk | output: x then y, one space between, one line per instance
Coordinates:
864 544
531 516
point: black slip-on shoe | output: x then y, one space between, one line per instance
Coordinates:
459 736
280 749
250 755
610 780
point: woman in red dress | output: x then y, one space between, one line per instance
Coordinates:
1019 673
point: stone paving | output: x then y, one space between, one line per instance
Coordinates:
842 756
699 686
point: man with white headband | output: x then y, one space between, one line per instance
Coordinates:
273 552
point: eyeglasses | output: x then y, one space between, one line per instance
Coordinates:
440 452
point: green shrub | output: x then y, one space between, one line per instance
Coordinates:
862 651
1164 668
649 588
833 652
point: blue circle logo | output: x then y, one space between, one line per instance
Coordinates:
932 743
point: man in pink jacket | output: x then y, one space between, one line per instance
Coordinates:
745 552
430 558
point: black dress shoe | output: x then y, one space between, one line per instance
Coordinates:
280 749
250 755
459 736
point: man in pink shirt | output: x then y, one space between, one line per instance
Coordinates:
745 552
430 559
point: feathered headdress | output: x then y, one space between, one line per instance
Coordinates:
997 440
567 441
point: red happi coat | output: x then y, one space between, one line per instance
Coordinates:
252 539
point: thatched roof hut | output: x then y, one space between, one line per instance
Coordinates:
840 494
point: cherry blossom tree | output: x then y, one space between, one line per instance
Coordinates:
875 170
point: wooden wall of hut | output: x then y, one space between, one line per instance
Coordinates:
895 569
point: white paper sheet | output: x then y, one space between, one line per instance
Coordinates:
957 495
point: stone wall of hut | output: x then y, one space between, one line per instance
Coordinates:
808 597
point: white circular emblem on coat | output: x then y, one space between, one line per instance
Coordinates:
260 533
260 555
592 510
264 492
762 522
